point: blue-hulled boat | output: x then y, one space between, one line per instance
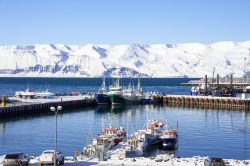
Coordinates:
102 99
169 139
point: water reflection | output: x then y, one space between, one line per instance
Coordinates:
205 132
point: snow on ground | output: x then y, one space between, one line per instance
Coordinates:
160 160
193 161
1 159
159 60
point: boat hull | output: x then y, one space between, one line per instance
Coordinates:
149 140
102 99
119 99
168 143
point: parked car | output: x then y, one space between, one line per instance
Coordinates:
47 157
212 161
16 159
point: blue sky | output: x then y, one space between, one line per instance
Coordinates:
123 21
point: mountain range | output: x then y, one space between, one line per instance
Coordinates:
158 60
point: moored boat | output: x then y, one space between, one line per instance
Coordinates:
118 134
102 97
169 139
45 94
106 140
27 94
152 133
115 93
125 96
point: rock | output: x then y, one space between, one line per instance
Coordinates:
166 160
158 160
245 162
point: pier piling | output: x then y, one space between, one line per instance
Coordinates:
208 102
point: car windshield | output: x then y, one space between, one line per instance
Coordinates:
14 156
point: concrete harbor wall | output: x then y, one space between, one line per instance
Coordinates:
33 108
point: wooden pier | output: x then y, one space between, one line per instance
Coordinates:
36 108
208 102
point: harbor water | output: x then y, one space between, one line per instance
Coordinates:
220 133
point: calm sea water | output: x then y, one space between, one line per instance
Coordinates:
8 86
202 132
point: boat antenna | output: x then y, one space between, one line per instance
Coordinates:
213 74
245 67
138 84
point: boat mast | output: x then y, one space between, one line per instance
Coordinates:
103 86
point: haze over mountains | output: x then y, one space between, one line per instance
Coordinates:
159 60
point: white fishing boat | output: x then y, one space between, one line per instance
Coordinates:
106 140
152 133
27 94
44 94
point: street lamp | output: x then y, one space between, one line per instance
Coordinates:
53 109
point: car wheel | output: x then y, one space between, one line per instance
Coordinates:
62 162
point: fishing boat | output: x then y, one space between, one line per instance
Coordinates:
125 96
44 94
152 133
131 96
115 93
169 139
102 97
27 94
106 140
118 134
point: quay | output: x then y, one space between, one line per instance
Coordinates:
206 102
39 106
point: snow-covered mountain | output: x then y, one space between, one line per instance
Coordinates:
160 60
